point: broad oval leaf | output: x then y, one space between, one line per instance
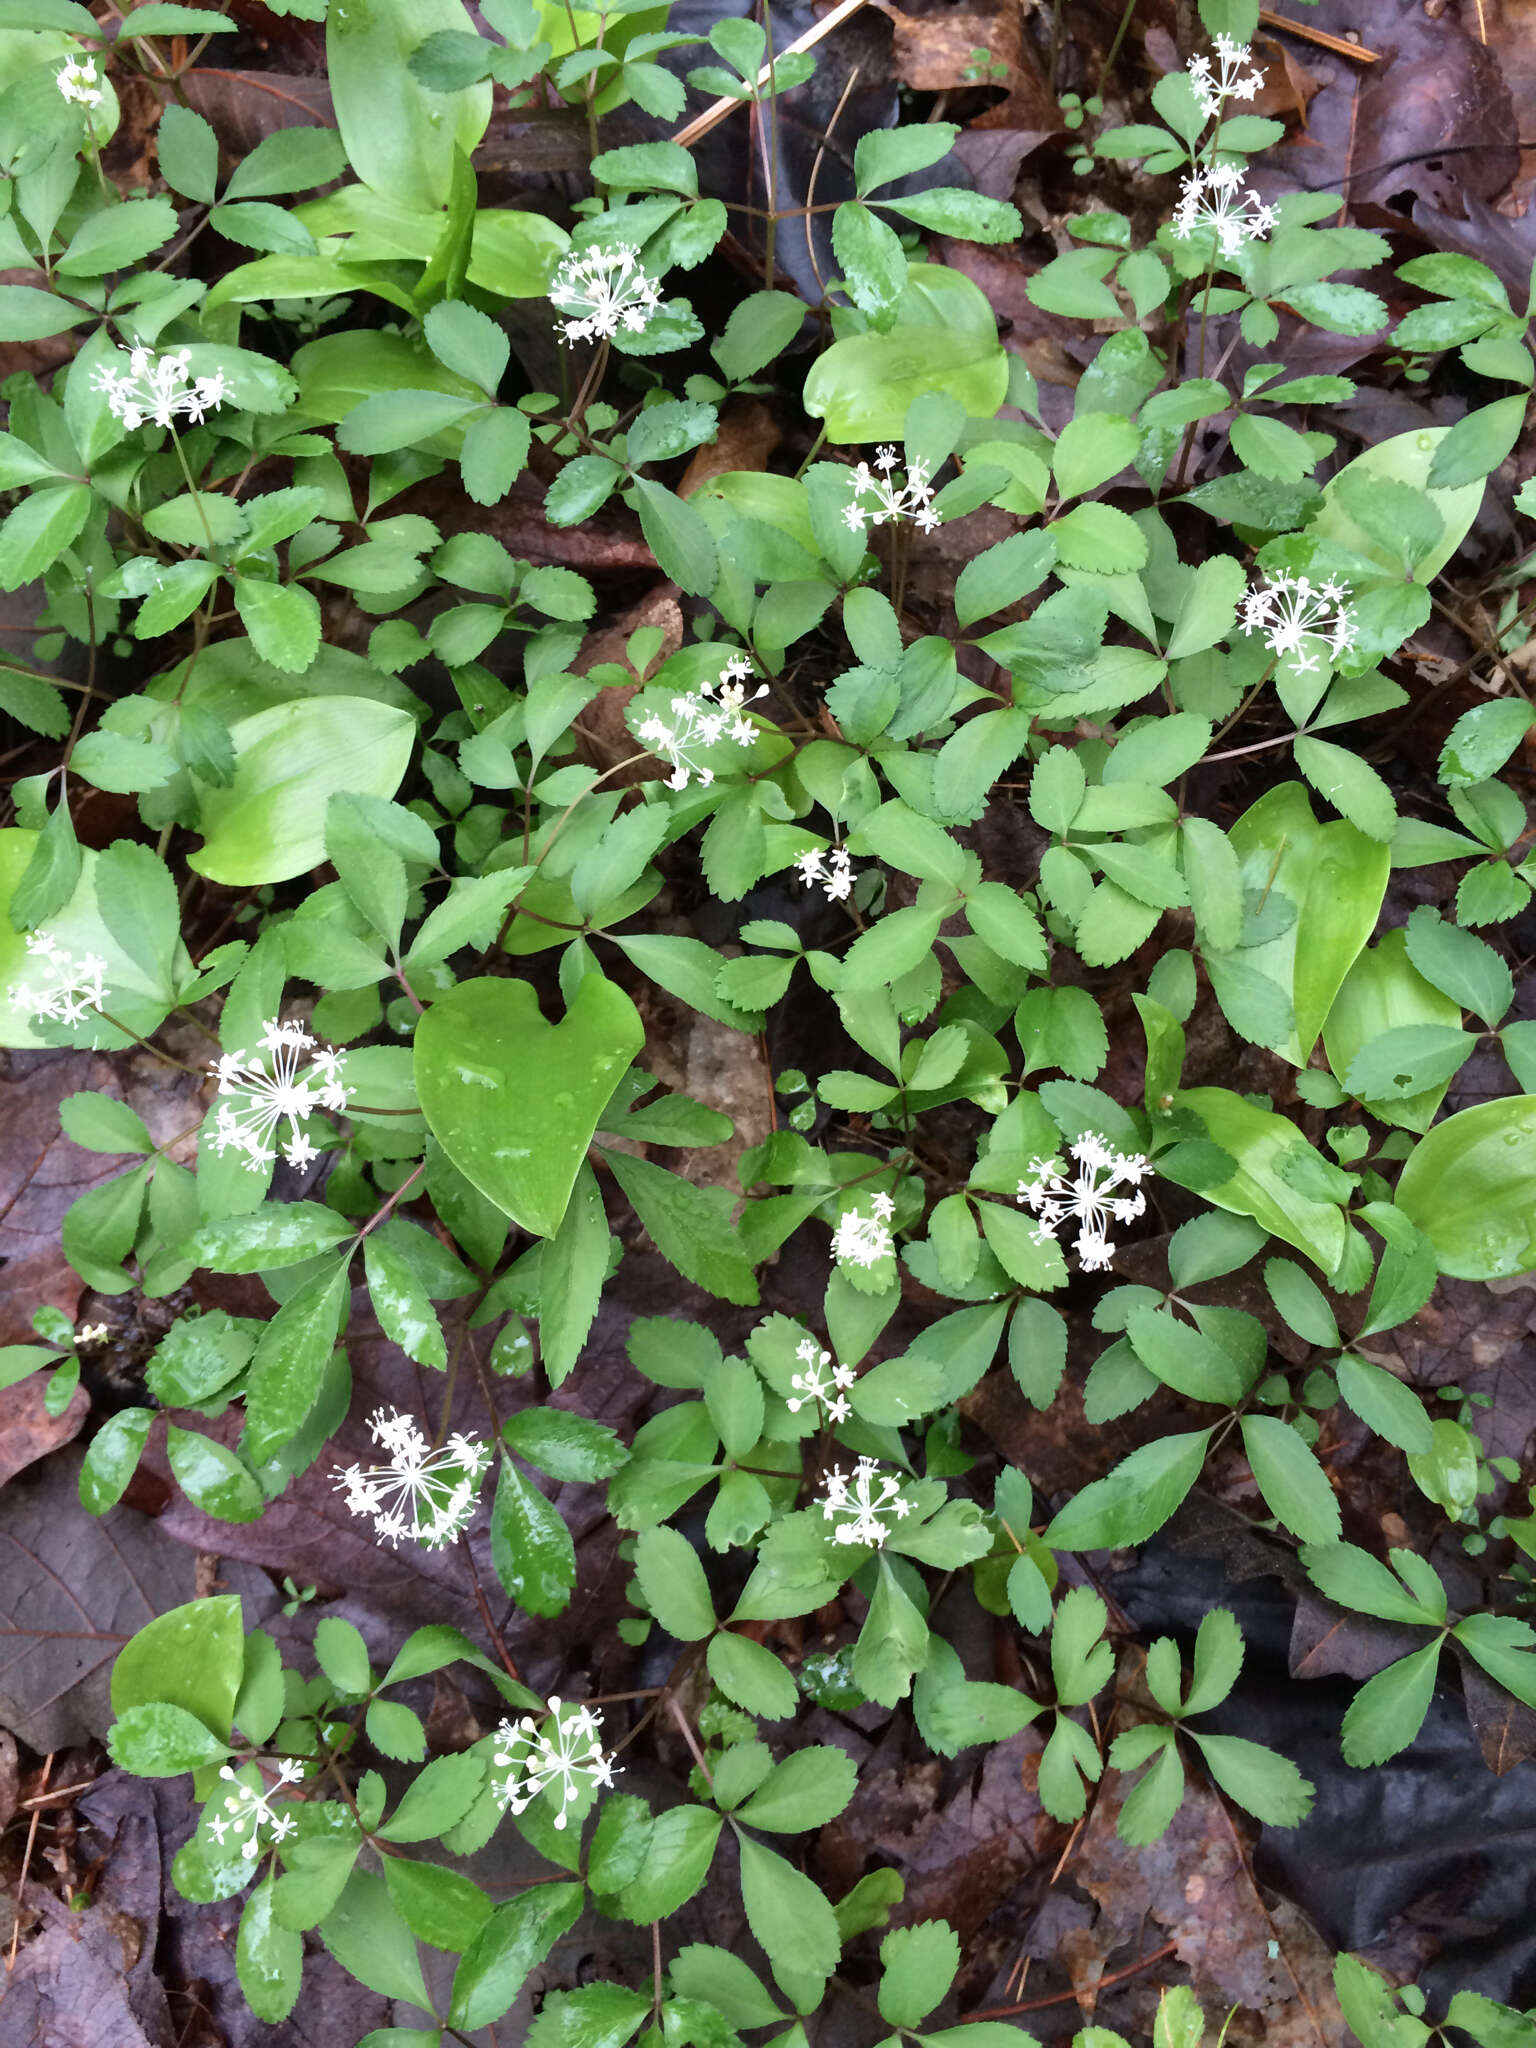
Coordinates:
1470 1187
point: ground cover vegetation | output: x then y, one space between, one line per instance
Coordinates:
706 1117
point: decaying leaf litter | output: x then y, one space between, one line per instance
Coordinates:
1418 114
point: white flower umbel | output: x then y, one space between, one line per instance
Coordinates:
247 1812
914 500
833 870
1227 80
1212 199
274 1090
564 1751
602 290
817 1384
76 81
1089 1200
865 1240
160 388
1301 620
91 1333
67 989
428 1496
702 718
867 1495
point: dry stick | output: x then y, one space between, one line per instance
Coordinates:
1340 48
999 2012
712 115
26 1861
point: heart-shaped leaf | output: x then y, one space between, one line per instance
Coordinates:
514 1101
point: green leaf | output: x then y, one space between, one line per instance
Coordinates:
118 237
103 1124
673 1582
1183 1358
39 530
1263 1783
212 1477
159 1740
342 1655
1478 443
944 339
189 154
1459 964
871 258
1294 1485
288 1369
919 1964
435 1799
751 1675
1301 1302
190 1658
277 1234
112 1456
787 1913
269 1958
531 1546
507 1948
1350 785
1134 1500
400 419
484 1052
1384 1404
759 328
689 1227
805 1791
400 138
367 1936
439 1906
405 1313
1482 740
1387 1712
289 160
1354 1578
565 1446
597 2016
27 314
1470 1187
677 536
678 1856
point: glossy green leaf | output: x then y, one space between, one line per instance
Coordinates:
1470 1187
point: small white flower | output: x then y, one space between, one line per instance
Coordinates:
426 1495
699 720
1211 199
815 1384
1229 81
566 1751
76 81
864 1240
1089 1200
272 1096
247 1812
91 1333
603 290
70 988
867 1495
159 388
834 871
1298 618
914 500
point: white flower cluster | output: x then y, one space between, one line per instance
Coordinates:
1089 1200
158 388
833 870
603 290
1300 618
91 1333
269 1097
1228 81
71 988
246 1812
76 81
913 501
699 719
867 1495
426 1495
1210 198
566 1750
816 1384
865 1240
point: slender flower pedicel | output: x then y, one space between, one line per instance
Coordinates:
1090 1200
914 500
816 1384
68 988
159 389
1228 80
867 1494
566 1751
76 81
700 719
424 1494
1301 620
865 1240
247 1812
272 1095
601 290
1211 198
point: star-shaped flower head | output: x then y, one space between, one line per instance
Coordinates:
867 1495
67 989
564 1751
1227 80
861 1240
815 1383
274 1088
76 80
601 290
701 719
423 1494
248 1812
1211 198
1299 619
160 388
833 870
913 500
1089 1200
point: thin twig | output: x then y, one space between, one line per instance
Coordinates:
713 115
